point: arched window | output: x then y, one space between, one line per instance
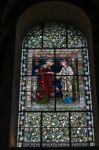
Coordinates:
55 101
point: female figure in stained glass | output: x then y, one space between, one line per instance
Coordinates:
66 75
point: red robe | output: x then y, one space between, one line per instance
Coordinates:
45 82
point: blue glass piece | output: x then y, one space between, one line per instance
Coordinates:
68 100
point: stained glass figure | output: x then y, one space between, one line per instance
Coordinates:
55 101
66 75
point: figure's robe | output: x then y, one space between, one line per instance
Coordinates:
45 83
66 75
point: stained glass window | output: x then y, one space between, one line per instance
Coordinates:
55 101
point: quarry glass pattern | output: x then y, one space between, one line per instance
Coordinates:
55 102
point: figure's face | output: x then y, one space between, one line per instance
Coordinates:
50 63
64 63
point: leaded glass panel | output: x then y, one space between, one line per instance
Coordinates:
75 38
55 101
33 39
54 35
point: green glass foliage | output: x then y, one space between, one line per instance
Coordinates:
32 135
54 35
32 120
55 135
75 38
79 135
33 39
79 119
55 120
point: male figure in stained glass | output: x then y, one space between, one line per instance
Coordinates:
45 82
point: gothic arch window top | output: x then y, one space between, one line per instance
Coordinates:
55 101
54 36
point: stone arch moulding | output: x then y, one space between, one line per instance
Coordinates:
40 13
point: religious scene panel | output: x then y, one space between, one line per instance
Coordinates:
54 78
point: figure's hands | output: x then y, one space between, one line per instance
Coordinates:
50 72
36 70
57 77
65 77
57 89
